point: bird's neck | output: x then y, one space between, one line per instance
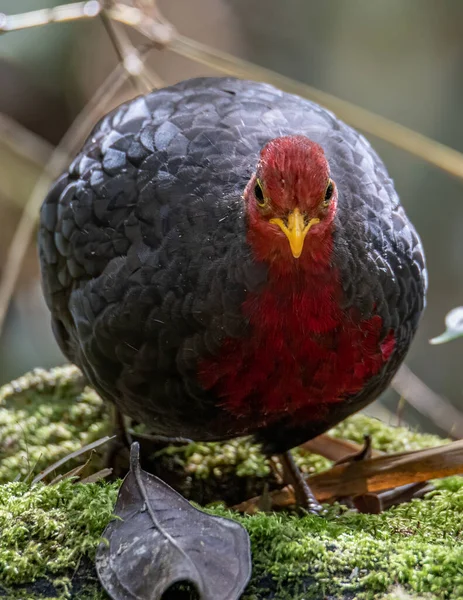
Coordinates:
313 271
302 300
302 295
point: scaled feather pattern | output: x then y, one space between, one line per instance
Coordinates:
165 280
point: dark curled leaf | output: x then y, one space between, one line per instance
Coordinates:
160 539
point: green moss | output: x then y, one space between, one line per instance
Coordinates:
46 530
419 545
44 416
412 551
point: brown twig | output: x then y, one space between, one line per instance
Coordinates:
70 456
157 29
365 452
75 472
121 52
334 449
374 475
404 493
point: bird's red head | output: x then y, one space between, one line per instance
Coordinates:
291 202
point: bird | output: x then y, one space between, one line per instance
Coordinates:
225 259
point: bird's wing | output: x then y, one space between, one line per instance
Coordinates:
144 237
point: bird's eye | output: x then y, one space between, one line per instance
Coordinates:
259 194
328 193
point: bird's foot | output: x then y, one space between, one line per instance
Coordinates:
305 498
160 441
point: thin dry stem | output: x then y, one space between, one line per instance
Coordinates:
70 456
98 476
438 409
129 57
68 146
24 142
157 29
162 34
75 11
415 143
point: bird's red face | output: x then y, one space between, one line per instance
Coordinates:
291 200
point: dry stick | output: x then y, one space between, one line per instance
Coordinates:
374 475
27 146
333 448
75 472
69 145
437 408
70 456
404 493
150 8
23 142
415 143
94 477
159 31
58 14
389 471
121 52
129 57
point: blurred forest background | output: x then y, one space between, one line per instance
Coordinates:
399 59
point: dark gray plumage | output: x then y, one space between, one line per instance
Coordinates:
146 264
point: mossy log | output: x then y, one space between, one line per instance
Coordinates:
49 533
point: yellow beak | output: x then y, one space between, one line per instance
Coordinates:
295 230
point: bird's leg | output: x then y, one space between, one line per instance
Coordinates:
120 426
265 502
121 440
304 495
117 454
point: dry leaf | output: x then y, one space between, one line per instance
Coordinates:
160 539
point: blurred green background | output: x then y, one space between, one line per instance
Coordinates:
400 59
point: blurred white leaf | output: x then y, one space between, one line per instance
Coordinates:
454 324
